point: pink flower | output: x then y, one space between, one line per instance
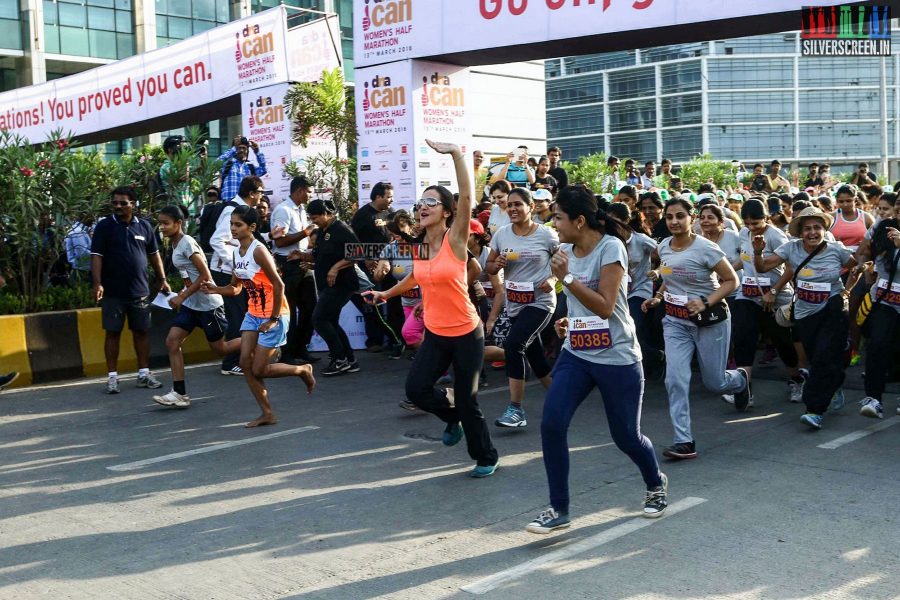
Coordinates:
26 171
62 144
44 164
142 159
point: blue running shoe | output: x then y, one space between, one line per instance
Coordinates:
452 434
814 421
480 471
549 520
837 401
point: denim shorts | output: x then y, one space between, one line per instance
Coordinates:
212 322
275 337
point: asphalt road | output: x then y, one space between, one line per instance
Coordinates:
350 497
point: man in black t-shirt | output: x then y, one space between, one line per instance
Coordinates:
558 173
813 179
121 248
370 226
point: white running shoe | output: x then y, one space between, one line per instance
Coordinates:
796 391
870 407
173 399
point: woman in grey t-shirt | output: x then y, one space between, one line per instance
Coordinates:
601 350
696 276
821 319
523 249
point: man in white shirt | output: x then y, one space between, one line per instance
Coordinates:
223 245
649 174
299 282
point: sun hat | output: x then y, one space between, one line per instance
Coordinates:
809 213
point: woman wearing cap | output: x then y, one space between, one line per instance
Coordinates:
756 302
821 320
542 215
523 250
697 277
453 331
336 282
600 351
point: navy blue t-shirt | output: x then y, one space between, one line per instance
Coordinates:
124 248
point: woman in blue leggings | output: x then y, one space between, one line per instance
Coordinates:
600 350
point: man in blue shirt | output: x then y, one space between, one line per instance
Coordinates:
235 166
121 248
516 170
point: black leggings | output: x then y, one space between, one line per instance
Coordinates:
465 353
748 320
524 342
883 327
824 338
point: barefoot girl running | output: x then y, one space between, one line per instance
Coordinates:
266 324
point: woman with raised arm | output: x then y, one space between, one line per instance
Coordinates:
453 331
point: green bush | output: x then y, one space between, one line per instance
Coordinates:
51 299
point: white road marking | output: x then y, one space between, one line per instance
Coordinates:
857 435
133 466
550 559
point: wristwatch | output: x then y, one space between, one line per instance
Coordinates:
568 279
273 319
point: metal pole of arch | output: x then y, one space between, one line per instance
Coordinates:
884 120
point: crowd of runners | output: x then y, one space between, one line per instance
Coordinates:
525 271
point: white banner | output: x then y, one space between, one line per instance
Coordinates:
243 55
384 118
352 322
391 30
265 121
313 48
439 113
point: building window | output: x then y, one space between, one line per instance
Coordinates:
681 110
840 139
575 121
574 149
725 107
638 114
632 83
575 90
674 52
680 77
95 28
751 73
776 43
826 105
180 19
682 144
841 72
639 146
598 62
755 142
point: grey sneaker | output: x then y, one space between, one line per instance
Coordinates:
549 520
657 499
112 385
837 401
513 417
173 399
796 391
870 407
149 382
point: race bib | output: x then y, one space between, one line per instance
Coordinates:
891 297
413 294
520 292
813 293
589 333
676 306
488 288
755 287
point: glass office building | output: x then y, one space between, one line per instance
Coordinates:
751 99
75 35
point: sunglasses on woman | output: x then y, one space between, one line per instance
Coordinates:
429 202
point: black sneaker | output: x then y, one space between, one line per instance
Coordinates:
308 358
8 379
742 398
680 451
397 352
352 367
549 520
336 367
657 499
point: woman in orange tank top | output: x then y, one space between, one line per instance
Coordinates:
265 325
453 331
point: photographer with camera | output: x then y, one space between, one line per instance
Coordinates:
516 170
236 166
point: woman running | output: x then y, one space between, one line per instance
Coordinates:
265 326
821 319
759 296
697 278
453 331
601 351
522 250
883 322
193 309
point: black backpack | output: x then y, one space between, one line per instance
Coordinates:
209 218
226 169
